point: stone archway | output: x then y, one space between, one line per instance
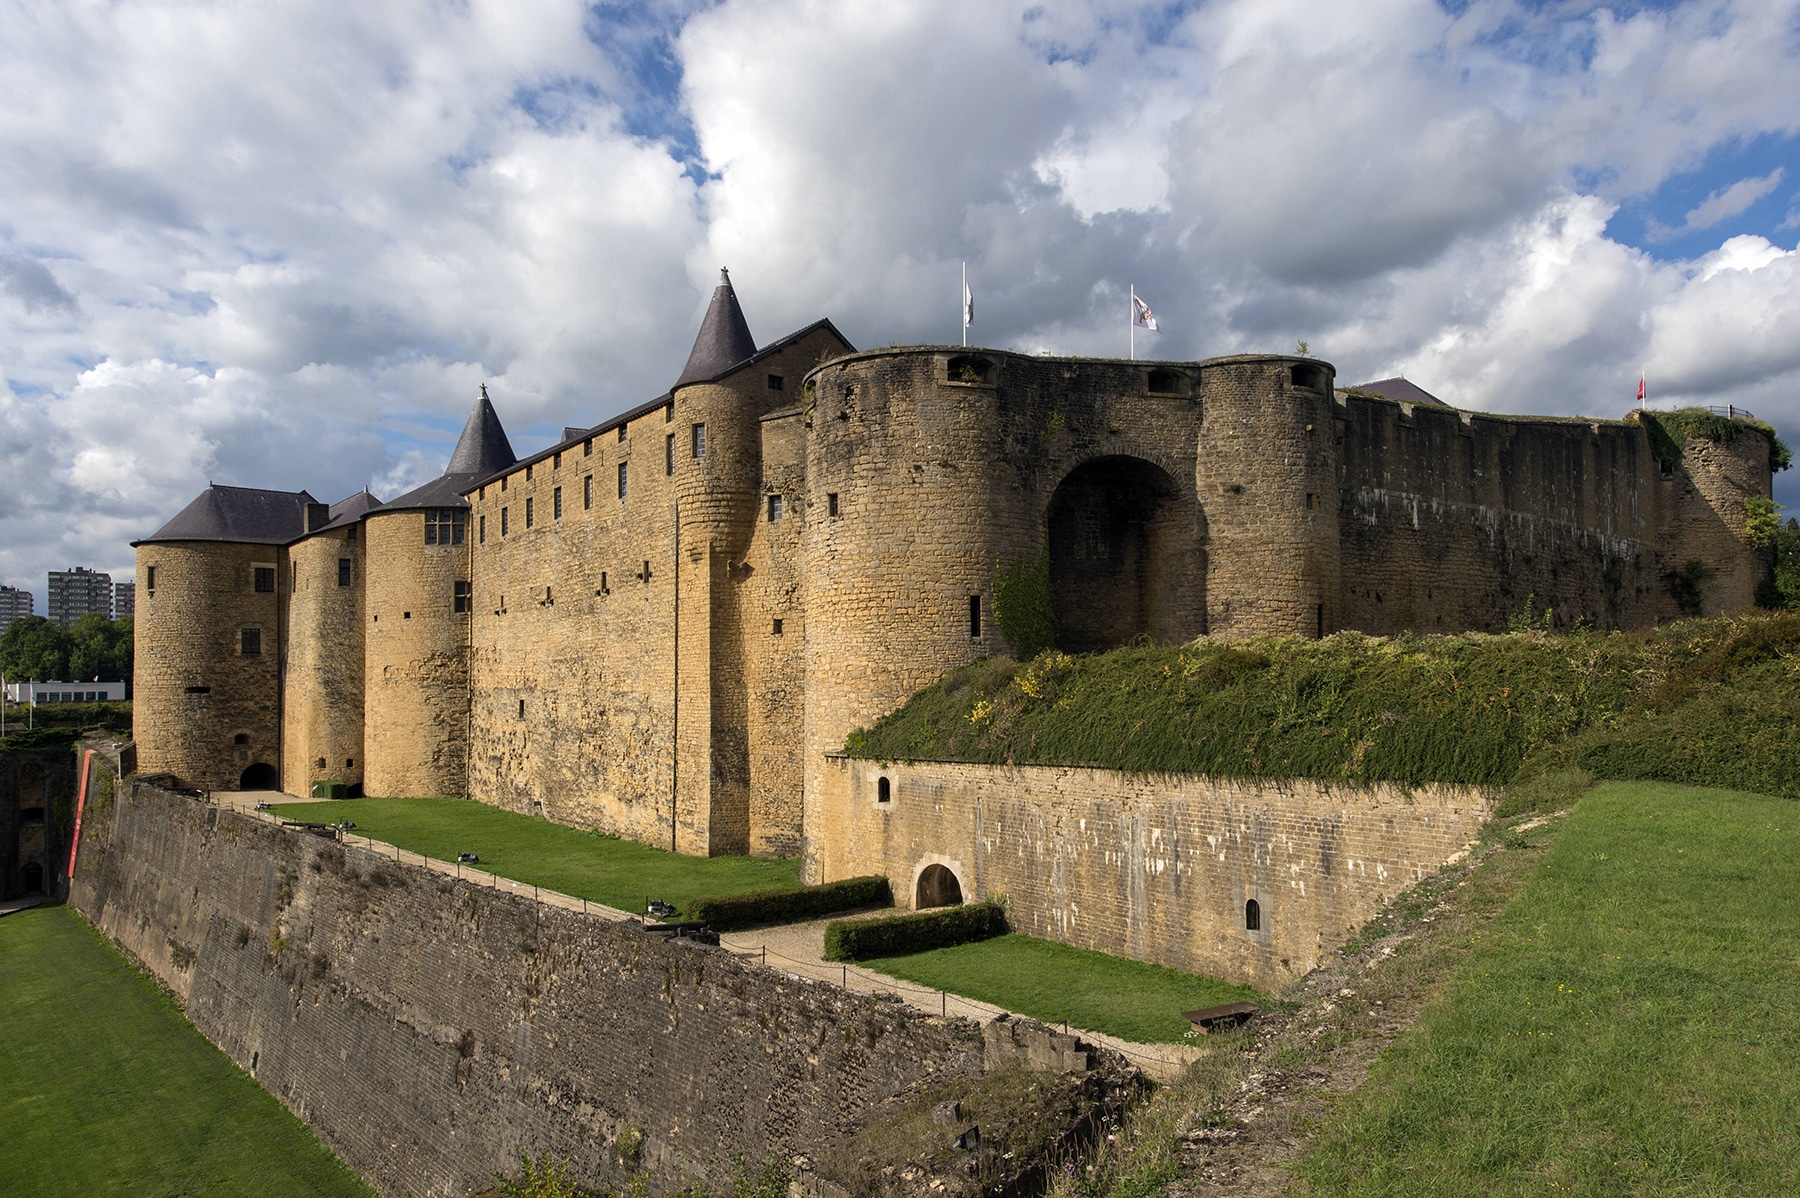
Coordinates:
260 776
1126 558
937 887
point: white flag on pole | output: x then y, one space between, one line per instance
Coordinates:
968 303
1141 315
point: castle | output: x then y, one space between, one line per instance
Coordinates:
665 625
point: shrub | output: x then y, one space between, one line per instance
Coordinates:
1025 605
898 935
735 912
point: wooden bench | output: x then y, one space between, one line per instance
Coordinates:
1228 1016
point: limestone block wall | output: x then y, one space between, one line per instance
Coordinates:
1266 472
416 661
1156 868
1706 525
203 709
430 1030
322 717
654 706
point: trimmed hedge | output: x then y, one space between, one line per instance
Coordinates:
735 912
899 935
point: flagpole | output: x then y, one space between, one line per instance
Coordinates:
962 306
1131 324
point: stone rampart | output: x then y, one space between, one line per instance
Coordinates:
1160 868
430 1030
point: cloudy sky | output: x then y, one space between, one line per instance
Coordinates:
280 244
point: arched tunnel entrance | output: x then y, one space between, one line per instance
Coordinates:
1126 557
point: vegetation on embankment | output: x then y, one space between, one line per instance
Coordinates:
1709 701
106 1089
1623 1027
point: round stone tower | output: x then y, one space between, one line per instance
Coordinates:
416 619
1709 568
209 629
1266 472
322 716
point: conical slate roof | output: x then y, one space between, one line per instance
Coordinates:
483 447
482 450
724 338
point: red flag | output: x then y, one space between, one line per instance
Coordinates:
1640 388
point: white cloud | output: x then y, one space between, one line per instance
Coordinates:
283 245
1720 206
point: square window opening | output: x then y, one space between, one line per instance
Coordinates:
250 642
264 580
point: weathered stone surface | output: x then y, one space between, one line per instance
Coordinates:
1154 867
430 1029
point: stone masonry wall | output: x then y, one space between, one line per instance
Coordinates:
196 692
322 717
1156 868
416 661
429 1030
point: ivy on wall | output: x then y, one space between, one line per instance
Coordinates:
1025 605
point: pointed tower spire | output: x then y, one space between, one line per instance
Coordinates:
724 338
483 447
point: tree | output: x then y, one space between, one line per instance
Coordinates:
32 649
100 649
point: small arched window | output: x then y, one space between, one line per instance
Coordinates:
1252 916
884 791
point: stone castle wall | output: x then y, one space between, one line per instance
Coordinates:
416 661
430 1030
1156 868
658 703
322 716
204 710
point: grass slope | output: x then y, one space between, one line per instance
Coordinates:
1627 1026
1472 708
106 1089
1054 982
604 869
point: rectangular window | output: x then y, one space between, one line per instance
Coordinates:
350 533
1311 501
669 454
444 525
974 616
530 511
343 571
668 412
460 598
150 578
503 482
699 440
265 579
776 630
556 504
774 382
621 434
774 509
556 461
587 448
250 642
503 522
623 481
481 529
481 494
528 474
587 493
831 508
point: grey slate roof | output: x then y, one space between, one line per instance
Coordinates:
351 509
1401 391
724 338
482 450
241 514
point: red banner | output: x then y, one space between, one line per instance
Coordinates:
87 762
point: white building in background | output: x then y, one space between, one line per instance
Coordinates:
65 692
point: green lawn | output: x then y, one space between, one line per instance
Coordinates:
1054 982
106 1089
605 869
1629 1025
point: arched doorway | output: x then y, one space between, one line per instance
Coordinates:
260 776
1125 556
31 878
938 887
